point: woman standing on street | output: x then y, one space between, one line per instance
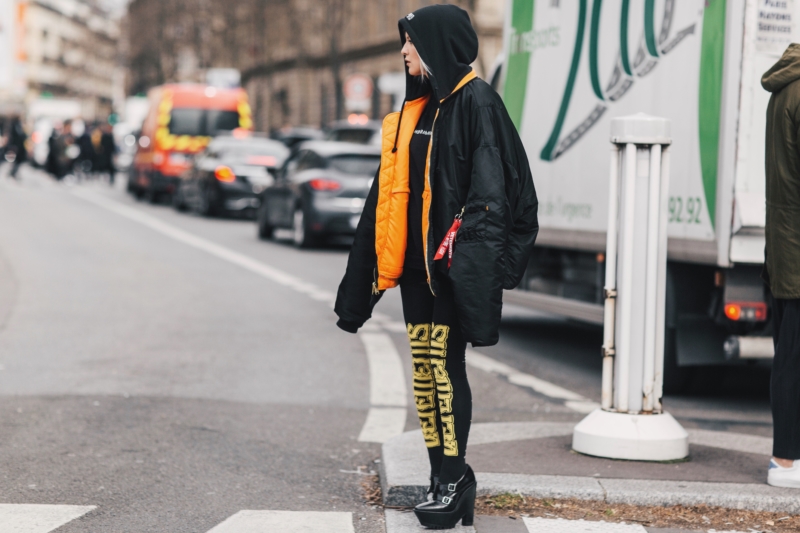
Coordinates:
451 218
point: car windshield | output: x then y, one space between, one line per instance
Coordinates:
196 122
361 165
352 135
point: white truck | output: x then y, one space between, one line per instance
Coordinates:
568 68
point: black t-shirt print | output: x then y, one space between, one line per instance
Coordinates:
418 155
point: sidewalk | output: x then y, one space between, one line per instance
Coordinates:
535 459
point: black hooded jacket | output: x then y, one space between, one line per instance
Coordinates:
478 165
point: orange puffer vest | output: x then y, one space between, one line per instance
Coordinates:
391 213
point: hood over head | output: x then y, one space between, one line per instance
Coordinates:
784 72
446 41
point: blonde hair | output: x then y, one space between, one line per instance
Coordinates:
426 70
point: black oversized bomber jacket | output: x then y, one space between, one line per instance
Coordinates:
478 165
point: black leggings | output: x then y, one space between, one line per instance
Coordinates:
785 387
441 389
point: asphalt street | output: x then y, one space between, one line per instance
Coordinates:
159 366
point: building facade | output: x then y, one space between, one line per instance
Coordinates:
295 56
58 50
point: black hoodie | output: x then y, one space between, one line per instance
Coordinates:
446 42
477 165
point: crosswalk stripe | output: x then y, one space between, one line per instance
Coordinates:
559 525
29 518
387 415
286 522
406 522
387 383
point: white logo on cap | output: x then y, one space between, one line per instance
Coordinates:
410 16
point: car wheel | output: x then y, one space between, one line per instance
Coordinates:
151 196
301 237
178 202
265 231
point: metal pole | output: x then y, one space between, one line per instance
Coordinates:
626 300
661 297
651 276
609 323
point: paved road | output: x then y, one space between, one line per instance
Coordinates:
173 371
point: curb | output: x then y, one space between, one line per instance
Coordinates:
404 463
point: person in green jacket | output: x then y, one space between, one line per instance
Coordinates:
782 261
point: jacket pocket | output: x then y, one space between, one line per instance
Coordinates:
473 226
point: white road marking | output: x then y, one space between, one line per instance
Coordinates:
737 442
24 518
387 381
286 522
406 522
382 424
226 254
388 394
574 401
559 525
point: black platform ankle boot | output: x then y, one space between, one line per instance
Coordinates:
433 490
456 502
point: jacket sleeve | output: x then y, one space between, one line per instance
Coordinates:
500 163
354 299
524 206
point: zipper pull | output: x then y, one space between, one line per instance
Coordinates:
461 214
375 290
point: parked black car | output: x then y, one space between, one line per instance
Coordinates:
320 191
229 175
356 129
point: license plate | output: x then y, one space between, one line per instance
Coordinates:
354 221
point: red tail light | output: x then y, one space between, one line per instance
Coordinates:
746 311
223 173
321 184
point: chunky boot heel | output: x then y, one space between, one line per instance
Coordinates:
469 518
456 502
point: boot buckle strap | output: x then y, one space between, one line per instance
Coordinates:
452 487
446 500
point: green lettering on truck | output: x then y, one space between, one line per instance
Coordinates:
710 99
518 61
549 148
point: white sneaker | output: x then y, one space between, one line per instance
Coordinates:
780 476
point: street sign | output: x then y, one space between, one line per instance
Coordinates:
358 92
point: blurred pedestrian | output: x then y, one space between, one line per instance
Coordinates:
782 262
453 172
66 151
84 162
51 163
16 151
105 152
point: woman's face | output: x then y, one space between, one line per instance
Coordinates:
411 57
